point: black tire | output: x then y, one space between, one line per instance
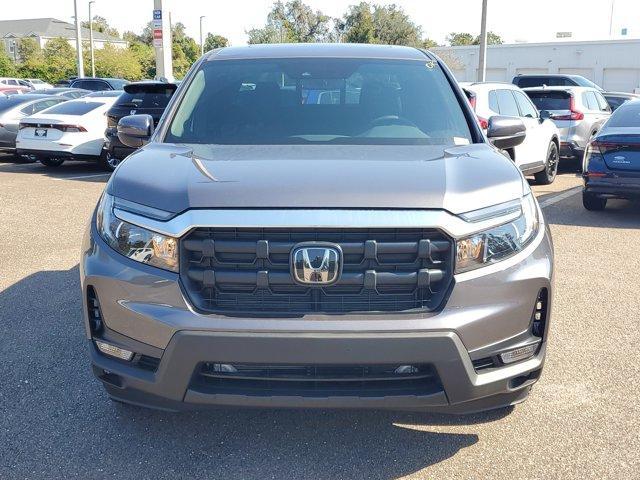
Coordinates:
548 175
51 162
593 203
108 162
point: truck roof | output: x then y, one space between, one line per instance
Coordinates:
331 50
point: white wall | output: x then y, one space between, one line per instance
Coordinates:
612 64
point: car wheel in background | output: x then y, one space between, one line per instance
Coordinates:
591 202
52 162
108 161
548 175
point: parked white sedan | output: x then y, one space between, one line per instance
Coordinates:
72 130
538 155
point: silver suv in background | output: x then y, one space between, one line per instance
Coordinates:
267 249
578 112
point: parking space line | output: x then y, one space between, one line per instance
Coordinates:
562 196
83 176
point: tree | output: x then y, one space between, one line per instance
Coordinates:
101 25
132 37
427 43
215 41
7 67
394 27
455 39
185 50
60 60
146 57
388 25
116 62
28 48
32 63
293 22
492 39
460 38
357 25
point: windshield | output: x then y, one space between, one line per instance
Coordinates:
319 101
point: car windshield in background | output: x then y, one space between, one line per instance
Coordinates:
628 115
157 98
319 101
550 100
73 108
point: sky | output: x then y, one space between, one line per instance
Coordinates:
514 20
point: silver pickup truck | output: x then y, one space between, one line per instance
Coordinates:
275 245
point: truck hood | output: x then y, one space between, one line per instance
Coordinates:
458 179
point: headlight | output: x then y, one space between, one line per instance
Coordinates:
135 242
499 242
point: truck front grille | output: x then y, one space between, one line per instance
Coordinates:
247 271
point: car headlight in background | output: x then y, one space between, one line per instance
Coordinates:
135 242
500 242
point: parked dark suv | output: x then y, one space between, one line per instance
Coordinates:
318 225
99 84
149 98
553 80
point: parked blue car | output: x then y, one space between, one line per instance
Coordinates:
611 165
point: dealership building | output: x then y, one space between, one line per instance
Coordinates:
44 29
612 64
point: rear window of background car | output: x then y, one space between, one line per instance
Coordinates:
550 100
145 99
74 108
628 115
540 81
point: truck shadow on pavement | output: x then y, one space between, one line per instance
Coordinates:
72 170
570 212
58 421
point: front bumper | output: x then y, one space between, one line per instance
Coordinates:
487 312
463 390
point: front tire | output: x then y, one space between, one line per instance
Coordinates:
548 175
593 203
51 162
108 162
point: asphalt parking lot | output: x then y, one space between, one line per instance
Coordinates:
581 421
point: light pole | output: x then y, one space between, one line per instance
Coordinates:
78 41
482 59
201 42
93 60
613 4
